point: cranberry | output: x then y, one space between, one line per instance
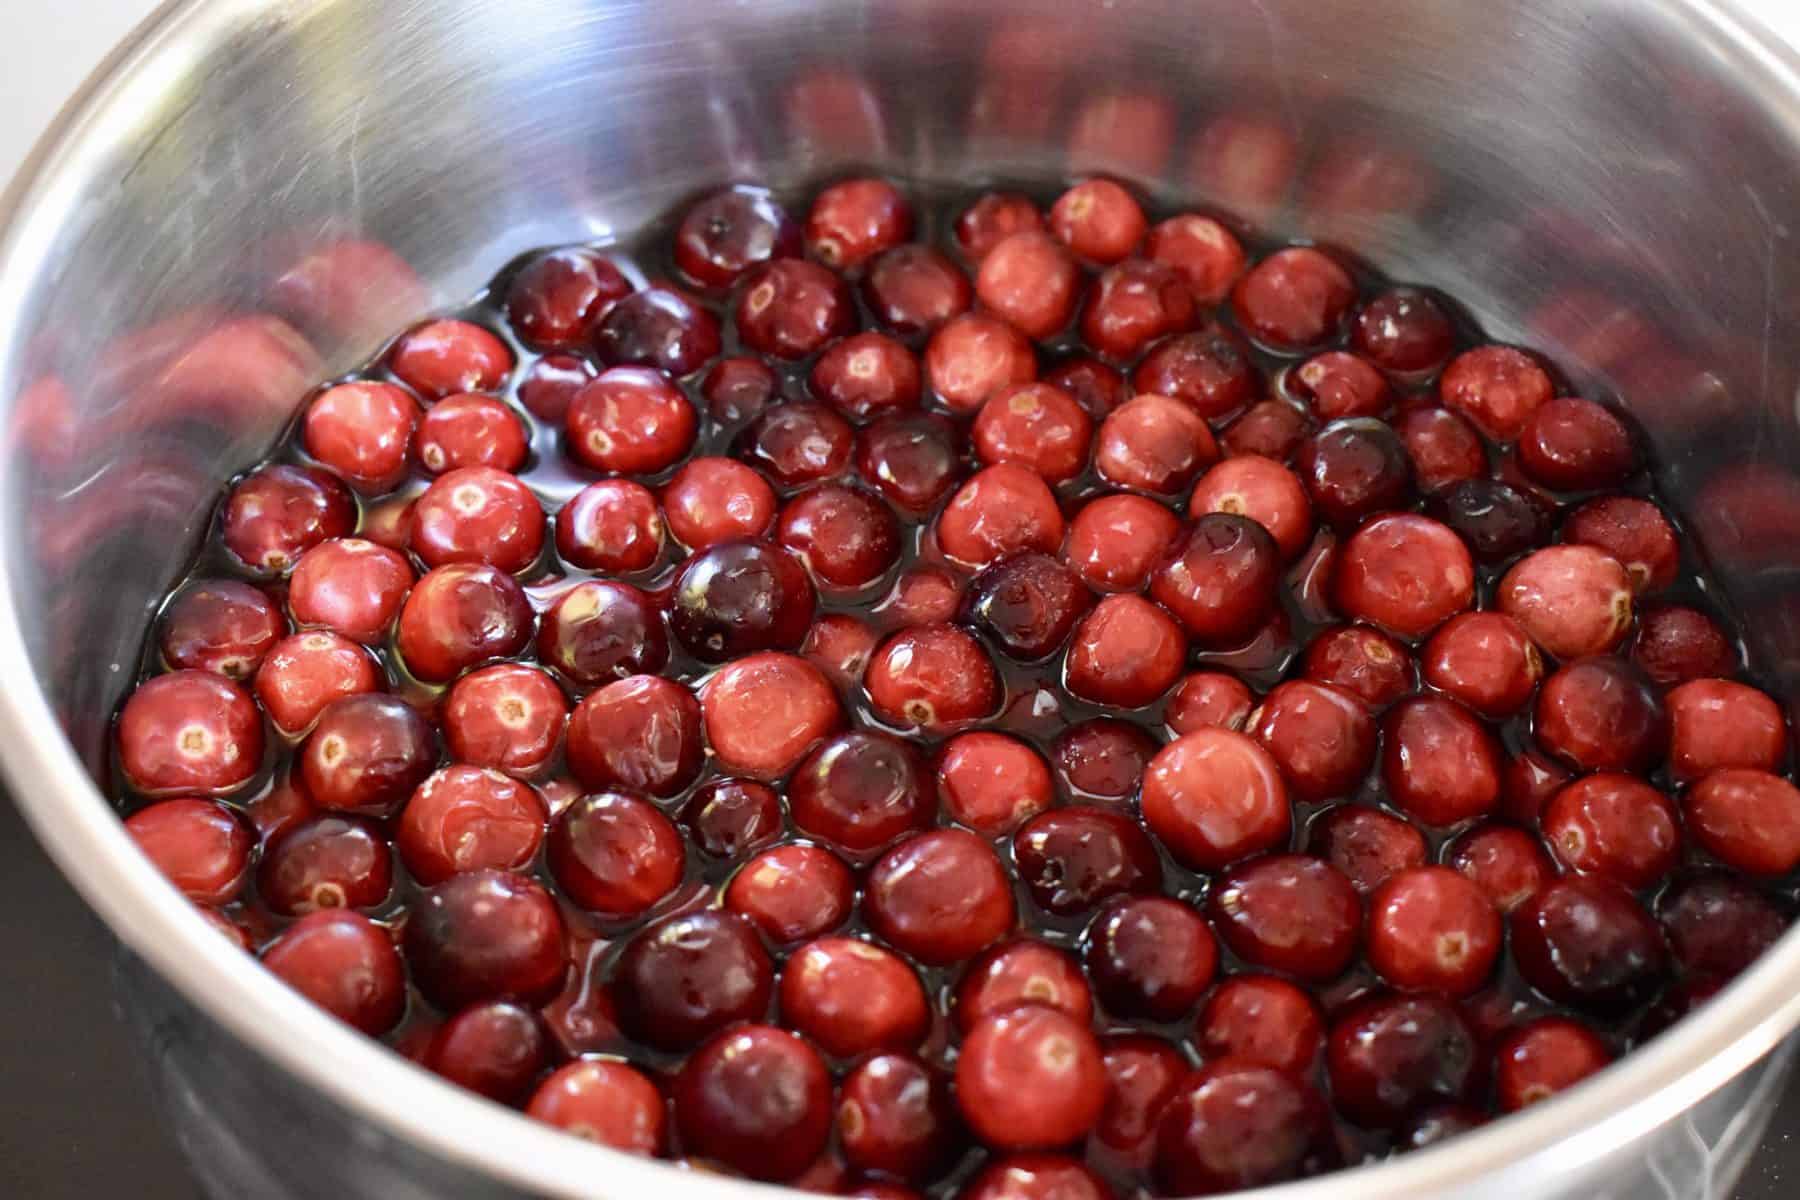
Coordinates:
1126 652
791 308
1036 426
657 327
939 896
1264 1020
1234 1125
615 854
1497 522
764 712
1153 444
344 963
304 673
1134 304
1036 1177
991 782
366 754
921 595
1208 369
1321 737
1097 387
992 219
471 431
1141 1073
1404 330
1486 661
1289 913
1072 859
725 234
362 431
1541 1059
1444 450
200 846
853 998
1205 254
496 1050
713 500
895 1115
349 586
1439 764
1598 715
444 357
914 289
459 616
220 625
1002 510
467 818
1433 929
555 297
1338 385
1497 387
326 861
1293 299
866 376
737 389
1354 469
506 716
1369 846
1030 1078
189 731
1750 819
1575 445
1675 644
1262 490
798 444
1583 941
280 808
599 631
1031 282
482 935
757 1099
1718 925
846 537
276 514
1017 973
1634 532
1213 797
840 645
610 526
1102 759
1098 220
1507 864
852 221
1208 698
639 734
1363 661
792 893
684 978
551 383
1526 785
912 459
973 356
859 791
1026 604
1407 574
1221 578
1613 825
605 1102
629 420
389 522
1151 957
730 818
1390 1056
1273 429
478 514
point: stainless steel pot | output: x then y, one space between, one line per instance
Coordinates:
1613 181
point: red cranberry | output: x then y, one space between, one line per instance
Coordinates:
1321 737
939 897
895 1116
991 782
1541 1059
1354 469
1205 253
304 673
1338 385
615 854
859 791
483 935
467 818
1583 941
1264 1020
605 1102
470 431
1036 1177
1369 846
1675 644
792 893
1433 929
442 358
867 375
327 861
1391 1056
1634 532
1142 1072
1030 281
1497 522
1208 699
1213 797
852 221
921 595
1151 957
914 289
1002 510
554 299
344 963
551 383
1153 444
731 818
220 625
478 514
1134 304
713 500
1439 764
1496 387
1575 445
362 431
1273 429
1097 387
629 420
992 219
189 731
1363 661
685 978
791 308
1613 825
610 526
798 444
853 998
757 1099
1507 864
1072 859
1289 913
1234 1125
913 459
280 808
1444 449
1102 759
496 1050
1486 661
764 712
1598 715
730 231
1030 1078
506 716
1221 578
1026 604
1262 490
1750 819
276 514
1407 574
1098 220
932 677
349 586
1125 653
657 327
200 846
1036 426
1018 973
599 631
459 616
737 389
366 754
973 356
840 645
1293 299
1209 370
640 734
846 537
1405 331
1718 925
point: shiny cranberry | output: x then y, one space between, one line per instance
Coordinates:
326 861
922 595
939 897
866 376
730 818
1293 299
1573 445
1583 941
1718 925
1097 387
685 978
846 537
1102 759
1597 714
1290 913
1261 1019
1234 1125
507 716
1036 426
1363 661
1407 574
1072 859
1262 490
895 1115
1002 510
1338 385
1099 221
1208 699
1151 957
605 1102
1369 846
757 1099
855 220
1026 604
366 754
280 808
1440 765
1125 653
1031 282
1354 469
442 358
276 514
1613 825
1209 370
599 631
991 782
1496 387
189 731
1750 819
725 234
1321 737
932 677
1433 929
1114 542
1153 444
496 1050
1213 797
657 327
362 431
853 998
304 673
467 818
200 846
1675 644
1390 1056
1498 522
459 616
764 712
344 963
1205 254
1405 331
798 444
840 645
612 526
615 854
1486 661
220 625
737 389
629 420
992 219
912 459
1634 532
1036 1177
713 500
1017 973
550 384
915 289
349 586
1444 450
483 935
478 515
1133 304
1030 1078
554 299
859 791
1221 578
1541 1059
639 734
470 431
1507 864
791 308
1273 429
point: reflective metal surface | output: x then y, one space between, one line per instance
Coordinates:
253 193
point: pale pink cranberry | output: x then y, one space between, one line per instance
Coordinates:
1036 426
1613 825
859 791
1368 845
1353 469
1073 859
470 431
613 526
1017 973
725 234
756 1099
363 432
922 595
1543 1058
713 500
349 586
1151 957
1718 924
189 731
344 963
1114 542
853 998
1031 1078
847 538
1213 797
1209 370
1506 863
605 1102
795 445
855 220
992 219
1444 448
1575 445
304 673
1338 384
1288 912
1486 660
1363 661
478 515
1026 605
640 734
1597 714
1675 644
614 855
276 514
1750 819
1207 255
1528 781
1261 1019
1440 765
791 309
220 625
1262 490
1390 1056
689 976
991 782
1208 699
465 818
1234 1125
764 712
1221 578
914 289
1031 282
895 1116
1405 331
1272 429
1133 304
1002 510
940 897
1321 737
738 389
912 459
442 358
599 631
1097 387
932 677
1405 573
1293 299
461 616
1035 1177
551 383
1634 532
1433 929
840 645
731 818
1496 387
1584 941
366 754
557 296
658 327
630 420
507 716
200 846
1125 653
1154 444
973 356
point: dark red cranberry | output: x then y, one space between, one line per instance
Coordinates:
496 1050
639 734
1261 1019
1718 925
730 231
1613 825
846 537
612 526
1030 1078
1097 387
791 308
764 712
793 893
327 861
657 327
1541 1059
200 846
939 897
344 963
366 755
684 978
1209 370
280 808
1445 451
1036 426
1675 644
1125 653
1262 490
362 431
1496 387
1293 299
1363 661
1141 1074
467 818
1290 913
459 616
1151 957
478 514
1339 385
895 1116
840 645
556 297
630 420
1073 859
859 791
1221 578
1486 661
732 818
484 935
1597 714
1404 330
1583 941
1017 973
757 1099
1154 444
1026 604
1369 846
798 444
1133 304
1506 863
853 998
614 854
1205 253
912 459
973 356
304 673
1321 737
1036 1177
1391 1056
605 1102
1213 797
1234 1125
599 631
470 431
1634 532
1273 429
1526 785
276 514
915 289
1032 282
444 357
220 625
1440 765
867 375
1575 445
1102 759
349 586
507 716
992 219
738 389
1405 573
992 782
551 383
1433 929
712 500
855 220
1750 819
1498 522
1354 469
